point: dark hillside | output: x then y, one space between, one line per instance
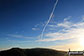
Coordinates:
32 52
12 52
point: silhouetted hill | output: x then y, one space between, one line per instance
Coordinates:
12 52
32 52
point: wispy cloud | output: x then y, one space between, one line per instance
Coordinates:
65 23
83 17
70 30
35 29
50 17
38 26
19 36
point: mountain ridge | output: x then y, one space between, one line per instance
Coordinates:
32 52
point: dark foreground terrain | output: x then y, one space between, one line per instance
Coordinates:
32 52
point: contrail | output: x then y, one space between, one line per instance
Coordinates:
50 17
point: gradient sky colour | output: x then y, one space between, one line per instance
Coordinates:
22 21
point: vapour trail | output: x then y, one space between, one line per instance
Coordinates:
50 17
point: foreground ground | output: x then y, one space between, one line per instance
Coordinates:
33 52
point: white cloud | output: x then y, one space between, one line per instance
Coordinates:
38 26
65 23
70 31
19 36
35 29
83 17
52 25
67 18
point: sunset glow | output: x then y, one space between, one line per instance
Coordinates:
81 41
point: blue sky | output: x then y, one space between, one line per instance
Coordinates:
22 21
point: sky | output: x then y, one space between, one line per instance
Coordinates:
22 23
